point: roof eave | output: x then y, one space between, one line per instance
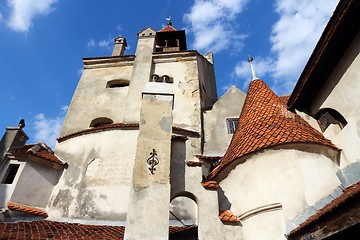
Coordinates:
338 34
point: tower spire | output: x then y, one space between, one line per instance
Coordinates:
250 60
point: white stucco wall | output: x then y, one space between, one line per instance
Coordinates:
186 111
35 184
97 183
92 99
295 179
217 138
342 94
6 190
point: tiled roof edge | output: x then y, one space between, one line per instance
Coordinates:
227 216
210 184
26 209
98 129
35 150
121 126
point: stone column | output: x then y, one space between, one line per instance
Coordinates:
140 75
148 211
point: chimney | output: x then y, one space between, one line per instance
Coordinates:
119 47
13 137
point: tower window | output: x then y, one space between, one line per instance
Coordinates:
98 122
328 116
118 83
10 174
231 124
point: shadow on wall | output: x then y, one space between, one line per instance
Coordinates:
224 203
177 166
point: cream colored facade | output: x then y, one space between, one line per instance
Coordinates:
145 142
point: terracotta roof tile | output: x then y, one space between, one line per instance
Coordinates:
168 29
98 129
40 150
208 158
210 184
265 122
227 216
113 126
26 209
61 230
195 163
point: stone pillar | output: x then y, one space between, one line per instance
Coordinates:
148 211
140 75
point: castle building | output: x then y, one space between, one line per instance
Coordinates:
147 150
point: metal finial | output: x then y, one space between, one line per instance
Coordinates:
250 60
169 21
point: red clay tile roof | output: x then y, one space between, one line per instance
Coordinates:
195 163
120 126
26 209
61 230
349 193
40 150
227 216
208 158
211 184
265 122
98 129
168 29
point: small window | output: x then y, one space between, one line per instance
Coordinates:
231 124
10 174
118 83
155 78
98 122
328 116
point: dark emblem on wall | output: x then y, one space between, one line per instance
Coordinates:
153 161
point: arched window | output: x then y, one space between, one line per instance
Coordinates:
101 121
327 116
117 83
183 209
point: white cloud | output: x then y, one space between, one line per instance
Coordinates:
24 11
47 129
210 23
296 32
292 39
103 43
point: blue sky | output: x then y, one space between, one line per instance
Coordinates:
42 43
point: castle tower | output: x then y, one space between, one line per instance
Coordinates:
135 120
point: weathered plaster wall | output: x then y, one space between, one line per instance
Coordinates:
92 99
293 178
96 185
35 184
140 74
342 94
150 192
217 138
184 72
